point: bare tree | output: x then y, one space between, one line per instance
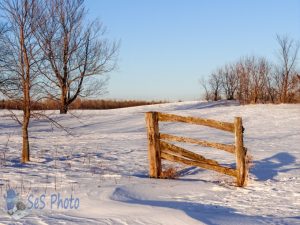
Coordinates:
229 75
76 52
271 90
204 85
215 82
258 74
243 82
252 73
255 80
19 64
285 76
265 92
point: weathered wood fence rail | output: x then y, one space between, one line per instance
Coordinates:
159 149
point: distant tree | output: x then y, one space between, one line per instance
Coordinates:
204 85
286 72
266 89
254 79
215 84
244 70
272 92
76 52
229 76
249 80
19 63
259 71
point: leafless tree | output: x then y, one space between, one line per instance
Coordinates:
254 79
243 82
285 75
272 92
266 89
19 63
229 77
215 82
259 71
253 74
76 52
204 85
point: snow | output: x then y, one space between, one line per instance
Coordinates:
103 163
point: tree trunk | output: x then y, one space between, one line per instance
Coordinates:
63 109
25 150
64 101
26 97
285 90
216 96
26 118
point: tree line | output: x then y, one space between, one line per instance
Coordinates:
79 103
49 50
254 79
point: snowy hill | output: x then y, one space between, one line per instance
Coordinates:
103 163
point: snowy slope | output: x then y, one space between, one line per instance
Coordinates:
103 163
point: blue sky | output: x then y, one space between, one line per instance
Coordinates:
168 45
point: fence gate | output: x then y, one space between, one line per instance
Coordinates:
159 149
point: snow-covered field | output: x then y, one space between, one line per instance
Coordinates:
103 164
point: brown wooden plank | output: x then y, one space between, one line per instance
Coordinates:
153 144
217 168
240 153
169 137
164 117
175 150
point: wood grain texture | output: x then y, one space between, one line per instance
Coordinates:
164 117
227 148
175 150
240 153
218 168
153 144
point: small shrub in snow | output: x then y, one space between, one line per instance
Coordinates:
169 173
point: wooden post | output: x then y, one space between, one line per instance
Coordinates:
153 144
240 152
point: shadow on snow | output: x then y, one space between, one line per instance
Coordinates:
208 214
268 168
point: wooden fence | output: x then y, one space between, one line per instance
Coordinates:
159 149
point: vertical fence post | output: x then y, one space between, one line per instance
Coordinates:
240 152
153 144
